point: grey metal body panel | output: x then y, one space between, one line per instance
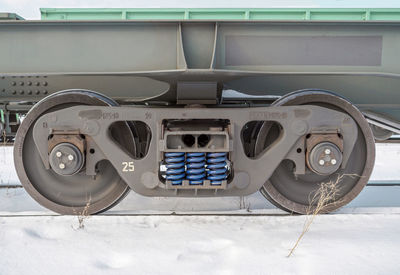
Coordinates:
112 47
357 60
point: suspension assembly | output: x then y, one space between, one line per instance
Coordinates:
199 154
175 164
217 167
196 168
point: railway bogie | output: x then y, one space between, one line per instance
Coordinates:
71 142
197 108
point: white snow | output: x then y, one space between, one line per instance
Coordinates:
336 244
208 236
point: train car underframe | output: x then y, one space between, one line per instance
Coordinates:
78 149
144 105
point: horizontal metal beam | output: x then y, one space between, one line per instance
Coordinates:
382 122
219 13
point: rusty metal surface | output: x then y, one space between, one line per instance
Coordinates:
315 139
75 139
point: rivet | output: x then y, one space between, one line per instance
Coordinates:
13 83
21 83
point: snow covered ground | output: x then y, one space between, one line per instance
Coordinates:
205 236
336 244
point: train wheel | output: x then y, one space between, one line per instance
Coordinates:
72 194
292 193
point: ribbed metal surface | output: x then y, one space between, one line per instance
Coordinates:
220 14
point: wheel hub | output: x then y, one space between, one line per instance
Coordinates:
66 159
325 158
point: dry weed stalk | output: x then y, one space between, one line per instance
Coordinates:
243 204
83 215
322 199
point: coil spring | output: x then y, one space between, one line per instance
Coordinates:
175 164
195 167
217 168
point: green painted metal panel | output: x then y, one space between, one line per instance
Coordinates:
352 15
89 16
277 15
153 15
217 15
221 14
384 15
2 116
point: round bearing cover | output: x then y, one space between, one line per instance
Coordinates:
66 159
325 158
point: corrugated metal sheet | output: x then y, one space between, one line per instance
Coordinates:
220 14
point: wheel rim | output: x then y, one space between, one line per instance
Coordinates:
292 193
69 194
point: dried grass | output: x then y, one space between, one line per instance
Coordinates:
83 215
243 204
323 199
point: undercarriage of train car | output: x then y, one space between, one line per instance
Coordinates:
78 145
196 109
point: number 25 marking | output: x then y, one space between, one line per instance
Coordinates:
128 166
